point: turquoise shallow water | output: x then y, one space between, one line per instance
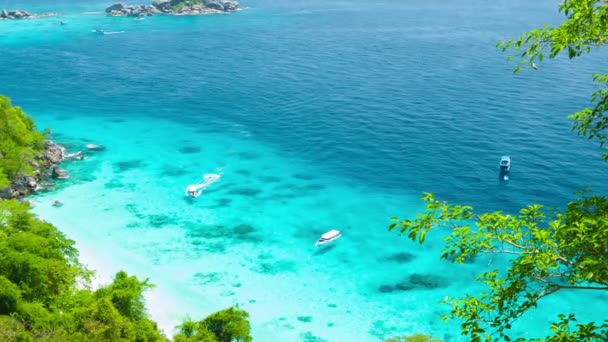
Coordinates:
318 115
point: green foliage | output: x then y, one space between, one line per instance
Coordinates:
548 253
35 255
229 325
566 251
10 295
126 295
413 338
182 4
40 299
585 27
20 142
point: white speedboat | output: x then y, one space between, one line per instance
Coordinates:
195 190
328 237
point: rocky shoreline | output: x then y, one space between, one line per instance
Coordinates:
21 14
175 7
45 166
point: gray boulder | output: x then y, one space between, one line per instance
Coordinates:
212 4
116 7
31 183
116 13
135 11
230 6
161 3
53 153
59 173
18 14
21 185
152 9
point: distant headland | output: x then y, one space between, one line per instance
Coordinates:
175 7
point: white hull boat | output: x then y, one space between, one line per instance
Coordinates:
328 237
505 166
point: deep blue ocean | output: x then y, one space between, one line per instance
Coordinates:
388 99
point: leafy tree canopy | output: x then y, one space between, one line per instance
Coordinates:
584 28
20 142
44 294
565 251
548 252
230 325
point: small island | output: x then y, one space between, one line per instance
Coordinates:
21 14
175 7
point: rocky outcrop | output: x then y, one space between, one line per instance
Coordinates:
59 173
122 9
21 14
53 153
25 184
176 7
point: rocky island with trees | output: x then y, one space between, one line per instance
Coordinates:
175 7
22 14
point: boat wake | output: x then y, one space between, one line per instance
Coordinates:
195 190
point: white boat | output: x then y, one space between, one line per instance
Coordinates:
195 190
505 164
328 237
95 147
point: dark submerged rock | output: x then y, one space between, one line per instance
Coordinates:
243 172
189 149
415 282
400 258
305 319
248 192
243 229
172 171
129 165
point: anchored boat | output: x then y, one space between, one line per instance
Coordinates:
328 237
505 164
